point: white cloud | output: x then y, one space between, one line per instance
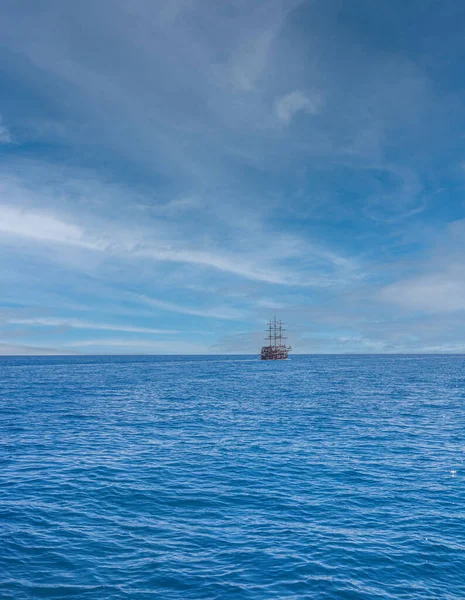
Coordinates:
436 292
44 227
5 134
124 346
289 105
212 313
250 255
439 286
39 226
270 303
79 324
233 264
8 349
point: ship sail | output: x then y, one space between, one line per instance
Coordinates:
276 348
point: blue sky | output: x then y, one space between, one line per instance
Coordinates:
173 174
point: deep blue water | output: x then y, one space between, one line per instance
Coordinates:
213 477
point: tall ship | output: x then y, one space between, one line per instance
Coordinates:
276 348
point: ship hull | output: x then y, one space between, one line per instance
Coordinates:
274 353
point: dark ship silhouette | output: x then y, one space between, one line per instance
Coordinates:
276 349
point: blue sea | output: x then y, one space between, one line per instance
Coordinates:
325 477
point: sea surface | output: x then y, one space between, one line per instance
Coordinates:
332 477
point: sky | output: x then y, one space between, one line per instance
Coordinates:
175 173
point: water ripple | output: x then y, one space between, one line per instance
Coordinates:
319 477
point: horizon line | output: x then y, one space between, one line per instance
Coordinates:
77 355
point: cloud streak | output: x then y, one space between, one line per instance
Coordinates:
137 346
9 349
79 324
40 226
223 313
257 261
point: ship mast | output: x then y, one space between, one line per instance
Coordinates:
280 332
269 337
275 332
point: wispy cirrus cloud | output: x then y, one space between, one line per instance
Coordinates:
80 324
39 226
44 227
220 239
214 312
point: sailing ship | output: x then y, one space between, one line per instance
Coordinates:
276 348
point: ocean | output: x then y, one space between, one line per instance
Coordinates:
325 477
